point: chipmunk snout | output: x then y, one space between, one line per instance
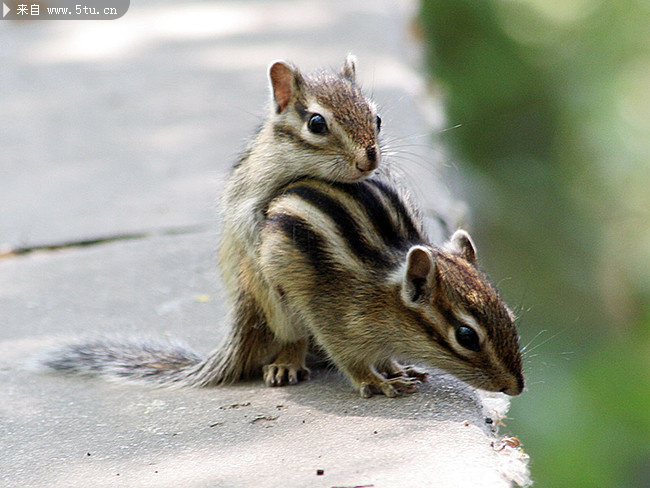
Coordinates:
515 388
371 160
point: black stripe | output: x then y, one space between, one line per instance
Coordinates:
451 318
431 331
286 132
377 213
303 236
348 228
301 110
435 336
413 234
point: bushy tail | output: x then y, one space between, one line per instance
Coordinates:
248 346
146 361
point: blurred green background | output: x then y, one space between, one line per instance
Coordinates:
553 102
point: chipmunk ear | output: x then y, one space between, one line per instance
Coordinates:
420 267
349 69
285 83
461 244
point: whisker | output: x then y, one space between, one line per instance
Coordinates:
543 331
547 340
457 126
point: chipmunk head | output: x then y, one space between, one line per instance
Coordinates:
327 127
460 311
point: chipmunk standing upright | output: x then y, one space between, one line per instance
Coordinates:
319 125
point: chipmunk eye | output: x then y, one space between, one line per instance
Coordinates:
468 338
317 125
378 123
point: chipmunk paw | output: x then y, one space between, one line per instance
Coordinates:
284 374
391 387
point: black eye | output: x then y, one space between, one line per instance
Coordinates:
317 124
467 337
378 123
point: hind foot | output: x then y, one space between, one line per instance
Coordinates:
289 367
284 374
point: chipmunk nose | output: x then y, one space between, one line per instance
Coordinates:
371 162
371 152
515 389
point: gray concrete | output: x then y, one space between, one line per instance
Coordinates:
129 127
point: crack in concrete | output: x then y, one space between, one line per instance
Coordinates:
73 244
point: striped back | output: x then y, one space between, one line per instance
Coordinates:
359 227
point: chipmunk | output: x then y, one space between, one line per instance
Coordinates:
316 249
349 266
319 125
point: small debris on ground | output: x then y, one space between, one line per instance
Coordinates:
265 418
234 406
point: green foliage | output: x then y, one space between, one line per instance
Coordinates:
553 100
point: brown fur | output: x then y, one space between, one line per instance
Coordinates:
348 105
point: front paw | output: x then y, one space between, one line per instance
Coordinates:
391 387
393 369
284 374
413 372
